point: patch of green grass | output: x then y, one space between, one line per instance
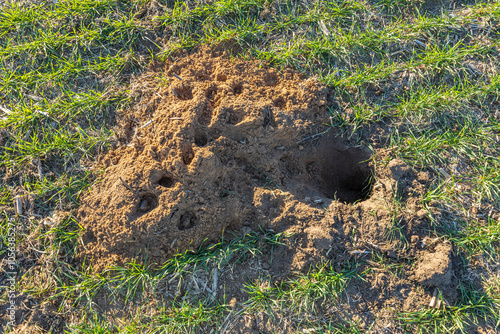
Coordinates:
85 284
380 261
475 308
182 318
136 283
304 295
395 231
479 238
221 253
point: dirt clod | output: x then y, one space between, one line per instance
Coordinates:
434 269
398 168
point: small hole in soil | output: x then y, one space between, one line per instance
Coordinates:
203 77
187 221
345 174
184 92
337 171
206 116
166 181
211 92
147 202
238 89
279 102
187 153
200 138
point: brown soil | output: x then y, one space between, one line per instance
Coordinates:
216 145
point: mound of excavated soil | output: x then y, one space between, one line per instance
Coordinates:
221 145
214 145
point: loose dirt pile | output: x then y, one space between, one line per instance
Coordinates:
216 145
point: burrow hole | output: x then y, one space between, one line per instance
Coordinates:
341 172
187 153
271 79
211 92
238 89
233 116
279 102
188 220
166 181
200 138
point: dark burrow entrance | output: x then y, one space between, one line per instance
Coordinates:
346 175
339 171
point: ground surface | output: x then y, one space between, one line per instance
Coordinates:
250 166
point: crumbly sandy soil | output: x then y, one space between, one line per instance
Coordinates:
217 145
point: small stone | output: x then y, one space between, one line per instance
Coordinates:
301 147
144 205
434 269
265 266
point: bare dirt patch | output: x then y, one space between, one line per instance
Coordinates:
216 145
